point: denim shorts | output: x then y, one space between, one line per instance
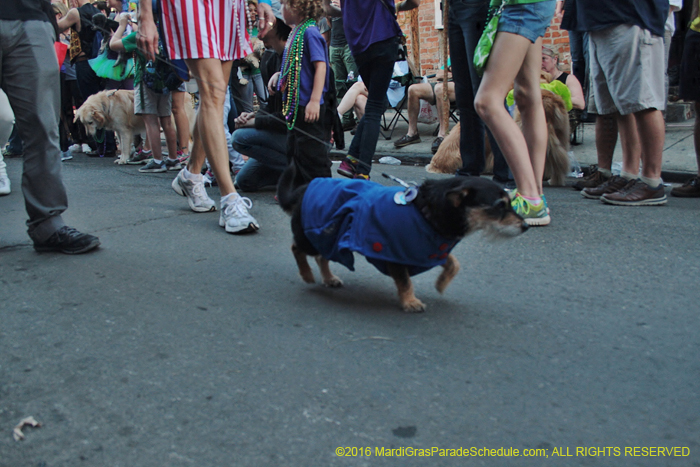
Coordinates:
529 20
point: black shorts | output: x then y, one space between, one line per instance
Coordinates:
690 67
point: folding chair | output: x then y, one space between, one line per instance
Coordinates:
576 126
397 95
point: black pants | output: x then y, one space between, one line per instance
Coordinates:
70 131
308 146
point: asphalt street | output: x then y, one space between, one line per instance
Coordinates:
176 344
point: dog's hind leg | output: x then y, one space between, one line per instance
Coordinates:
303 264
409 302
329 279
449 271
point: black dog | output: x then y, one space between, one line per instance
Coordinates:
400 236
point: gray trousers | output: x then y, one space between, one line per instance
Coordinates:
29 76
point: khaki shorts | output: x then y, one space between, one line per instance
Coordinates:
627 70
152 103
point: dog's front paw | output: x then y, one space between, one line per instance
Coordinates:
413 306
307 276
120 161
333 282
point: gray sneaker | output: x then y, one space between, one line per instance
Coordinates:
235 217
172 164
153 167
195 192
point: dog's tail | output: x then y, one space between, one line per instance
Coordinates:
288 193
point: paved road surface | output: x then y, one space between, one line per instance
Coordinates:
177 344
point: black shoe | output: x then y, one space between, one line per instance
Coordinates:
405 140
69 241
436 144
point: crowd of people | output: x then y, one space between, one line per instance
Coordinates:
311 83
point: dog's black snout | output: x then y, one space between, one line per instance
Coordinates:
524 226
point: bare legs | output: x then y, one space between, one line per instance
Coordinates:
209 138
515 58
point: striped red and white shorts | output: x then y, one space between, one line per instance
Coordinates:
206 29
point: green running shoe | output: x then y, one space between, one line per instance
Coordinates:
533 215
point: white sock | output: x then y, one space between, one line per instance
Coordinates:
606 172
627 175
652 182
192 177
159 162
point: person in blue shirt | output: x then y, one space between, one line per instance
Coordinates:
303 82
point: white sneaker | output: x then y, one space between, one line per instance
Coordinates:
75 148
4 185
85 148
197 196
235 217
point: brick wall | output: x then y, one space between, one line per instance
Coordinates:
429 37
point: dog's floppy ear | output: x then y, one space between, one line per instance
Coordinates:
98 117
457 195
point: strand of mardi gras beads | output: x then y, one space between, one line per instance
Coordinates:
291 72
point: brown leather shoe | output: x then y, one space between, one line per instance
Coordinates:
594 179
636 193
613 184
690 189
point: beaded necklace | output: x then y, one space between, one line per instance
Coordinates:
240 30
291 72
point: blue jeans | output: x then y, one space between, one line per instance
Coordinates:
14 144
267 152
376 65
466 23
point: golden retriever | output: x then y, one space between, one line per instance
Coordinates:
448 159
114 110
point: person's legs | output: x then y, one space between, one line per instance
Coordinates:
375 66
439 104
508 55
605 141
170 136
255 176
631 148
360 105
690 91
350 97
14 147
28 76
268 148
182 124
578 57
652 133
416 92
210 141
308 146
7 119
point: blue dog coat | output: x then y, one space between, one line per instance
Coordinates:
341 216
